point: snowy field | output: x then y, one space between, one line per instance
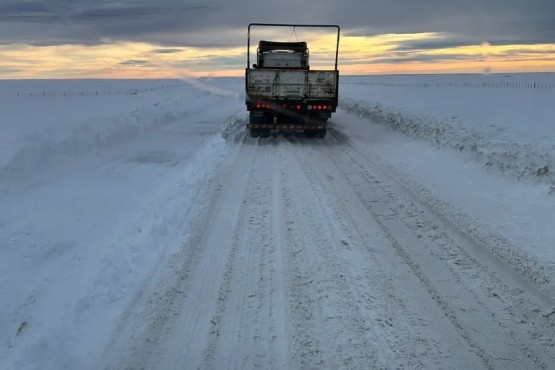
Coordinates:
141 228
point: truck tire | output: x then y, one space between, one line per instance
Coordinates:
321 133
253 132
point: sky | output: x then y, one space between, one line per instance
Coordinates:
171 38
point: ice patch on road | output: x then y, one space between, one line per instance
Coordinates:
520 161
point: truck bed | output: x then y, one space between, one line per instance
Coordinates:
292 84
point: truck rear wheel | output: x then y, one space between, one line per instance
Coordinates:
253 132
321 133
309 133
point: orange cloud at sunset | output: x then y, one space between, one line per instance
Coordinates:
122 60
379 54
460 59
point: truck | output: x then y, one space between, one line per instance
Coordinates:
283 93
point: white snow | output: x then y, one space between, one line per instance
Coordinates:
101 182
94 191
488 141
501 120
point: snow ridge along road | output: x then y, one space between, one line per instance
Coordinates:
312 254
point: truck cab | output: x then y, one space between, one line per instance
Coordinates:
289 55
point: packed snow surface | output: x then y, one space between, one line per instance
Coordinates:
140 227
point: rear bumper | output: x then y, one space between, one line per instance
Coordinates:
286 127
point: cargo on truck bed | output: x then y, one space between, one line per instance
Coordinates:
283 94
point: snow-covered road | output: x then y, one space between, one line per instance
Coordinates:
152 233
311 254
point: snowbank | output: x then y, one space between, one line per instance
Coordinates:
494 146
96 191
478 149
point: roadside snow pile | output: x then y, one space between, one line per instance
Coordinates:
487 146
41 137
96 274
234 128
96 192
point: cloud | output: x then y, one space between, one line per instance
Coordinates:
223 23
136 62
431 44
135 35
8 70
167 51
423 58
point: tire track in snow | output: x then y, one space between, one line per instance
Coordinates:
398 335
310 343
309 257
250 327
343 305
195 326
177 315
481 314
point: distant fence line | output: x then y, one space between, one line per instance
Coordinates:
89 93
482 85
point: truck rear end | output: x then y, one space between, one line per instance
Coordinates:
283 94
